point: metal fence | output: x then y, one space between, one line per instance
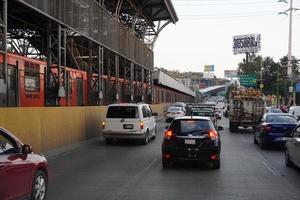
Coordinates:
90 19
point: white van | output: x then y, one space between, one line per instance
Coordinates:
129 121
295 110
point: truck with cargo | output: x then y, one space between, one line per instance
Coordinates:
246 107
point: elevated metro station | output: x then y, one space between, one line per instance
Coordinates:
79 52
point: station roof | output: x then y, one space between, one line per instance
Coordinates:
212 89
164 79
150 10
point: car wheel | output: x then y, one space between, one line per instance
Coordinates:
146 138
154 136
288 162
254 139
108 140
262 143
216 164
166 164
39 186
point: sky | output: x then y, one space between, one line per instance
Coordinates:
203 34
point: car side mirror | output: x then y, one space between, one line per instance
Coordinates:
220 128
26 149
154 114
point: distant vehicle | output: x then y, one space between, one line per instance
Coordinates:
273 110
181 105
129 121
174 112
204 112
246 107
23 174
274 128
292 151
295 110
191 138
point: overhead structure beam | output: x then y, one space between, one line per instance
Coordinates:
3 51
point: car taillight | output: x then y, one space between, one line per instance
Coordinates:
267 128
141 125
103 125
178 113
212 134
168 134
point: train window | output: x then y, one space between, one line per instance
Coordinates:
32 81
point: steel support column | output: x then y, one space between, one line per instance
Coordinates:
100 73
56 58
62 61
3 51
132 82
142 84
117 74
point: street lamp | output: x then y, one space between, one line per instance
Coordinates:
289 70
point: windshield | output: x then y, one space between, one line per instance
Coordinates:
204 114
285 119
191 126
174 109
122 112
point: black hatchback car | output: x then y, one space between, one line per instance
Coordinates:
191 138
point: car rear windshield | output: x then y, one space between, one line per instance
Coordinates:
174 109
205 114
191 126
281 119
122 112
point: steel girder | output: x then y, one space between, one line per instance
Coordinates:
3 51
56 58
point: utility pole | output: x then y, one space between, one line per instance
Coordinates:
289 70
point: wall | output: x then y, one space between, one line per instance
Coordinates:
47 128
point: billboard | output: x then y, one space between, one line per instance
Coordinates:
246 43
230 73
207 75
209 68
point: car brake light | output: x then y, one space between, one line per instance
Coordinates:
212 134
267 128
103 125
178 113
141 125
168 134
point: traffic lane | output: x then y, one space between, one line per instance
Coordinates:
99 170
130 171
243 175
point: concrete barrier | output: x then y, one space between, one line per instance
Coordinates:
47 128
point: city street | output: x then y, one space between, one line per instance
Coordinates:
127 170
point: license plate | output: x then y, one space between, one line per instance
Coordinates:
189 141
128 126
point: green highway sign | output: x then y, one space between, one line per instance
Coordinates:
248 80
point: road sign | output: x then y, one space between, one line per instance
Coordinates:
261 86
209 68
248 80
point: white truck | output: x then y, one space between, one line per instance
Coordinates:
246 107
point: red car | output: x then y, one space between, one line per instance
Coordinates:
23 174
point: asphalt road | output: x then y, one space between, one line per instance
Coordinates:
126 170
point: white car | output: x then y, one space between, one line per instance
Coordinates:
129 121
174 112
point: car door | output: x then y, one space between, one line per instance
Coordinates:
294 146
257 132
152 122
146 118
15 170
